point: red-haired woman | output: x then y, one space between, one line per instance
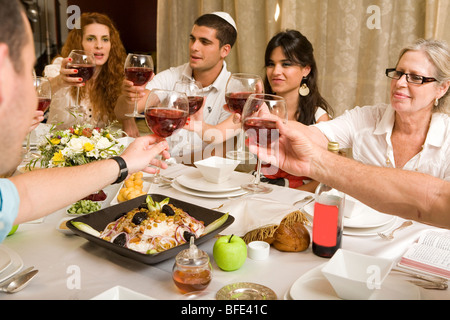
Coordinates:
98 96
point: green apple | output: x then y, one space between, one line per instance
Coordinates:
230 252
13 229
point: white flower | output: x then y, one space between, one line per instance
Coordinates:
103 143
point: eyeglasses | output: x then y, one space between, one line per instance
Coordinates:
410 78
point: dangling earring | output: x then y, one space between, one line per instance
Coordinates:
436 102
304 90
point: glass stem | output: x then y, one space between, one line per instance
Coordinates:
241 140
258 173
78 97
136 104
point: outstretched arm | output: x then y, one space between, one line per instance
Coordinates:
407 194
45 191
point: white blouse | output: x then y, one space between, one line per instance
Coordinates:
368 131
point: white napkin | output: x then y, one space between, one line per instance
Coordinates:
253 213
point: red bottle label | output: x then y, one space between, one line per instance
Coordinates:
325 225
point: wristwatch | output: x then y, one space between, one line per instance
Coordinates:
123 173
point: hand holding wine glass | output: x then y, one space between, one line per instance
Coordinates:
194 91
139 70
239 87
259 117
44 94
84 63
165 112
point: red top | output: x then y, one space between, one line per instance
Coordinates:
294 181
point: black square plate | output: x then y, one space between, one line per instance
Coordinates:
100 219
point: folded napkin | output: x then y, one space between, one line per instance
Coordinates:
257 218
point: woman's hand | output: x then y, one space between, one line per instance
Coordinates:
65 75
37 119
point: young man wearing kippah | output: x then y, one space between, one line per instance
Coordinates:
211 40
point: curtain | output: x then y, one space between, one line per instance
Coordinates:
354 40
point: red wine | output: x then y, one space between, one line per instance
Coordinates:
237 100
164 122
261 131
43 104
328 252
195 103
139 76
85 71
327 232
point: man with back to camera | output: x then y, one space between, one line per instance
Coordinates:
32 195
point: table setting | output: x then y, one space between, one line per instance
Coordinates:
76 265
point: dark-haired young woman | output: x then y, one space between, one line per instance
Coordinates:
291 72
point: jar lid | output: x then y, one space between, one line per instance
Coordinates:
192 256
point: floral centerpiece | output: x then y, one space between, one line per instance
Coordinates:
77 145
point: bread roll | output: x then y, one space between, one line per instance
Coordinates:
292 238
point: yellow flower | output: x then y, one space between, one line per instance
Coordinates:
55 141
88 147
58 157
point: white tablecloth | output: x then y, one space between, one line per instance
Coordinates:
71 267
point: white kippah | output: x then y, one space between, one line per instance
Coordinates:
225 16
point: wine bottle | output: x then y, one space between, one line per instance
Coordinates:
328 217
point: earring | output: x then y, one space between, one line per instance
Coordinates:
304 90
436 102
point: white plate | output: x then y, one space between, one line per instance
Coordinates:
368 232
5 260
213 195
368 218
14 267
121 293
145 187
195 181
314 286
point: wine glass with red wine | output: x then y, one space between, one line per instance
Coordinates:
44 94
139 70
239 87
84 62
166 112
194 91
259 119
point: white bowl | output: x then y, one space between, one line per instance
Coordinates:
216 169
356 276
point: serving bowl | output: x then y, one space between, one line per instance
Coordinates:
356 276
100 219
216 169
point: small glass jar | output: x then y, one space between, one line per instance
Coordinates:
192 270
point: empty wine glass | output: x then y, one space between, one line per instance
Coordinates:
194 91
259 119
166 112
139 70
84 62
239 87
44 94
